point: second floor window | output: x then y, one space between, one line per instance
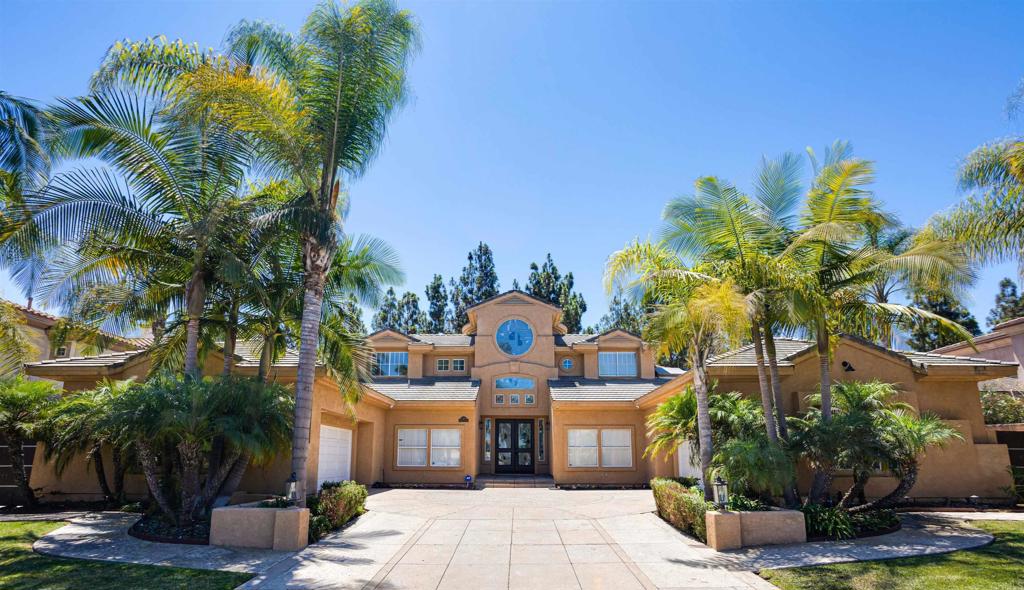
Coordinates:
391 364
443 365
616 364
458 364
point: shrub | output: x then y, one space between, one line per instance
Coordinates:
825 521
1000 407
740 502
335 504
873 521
682 507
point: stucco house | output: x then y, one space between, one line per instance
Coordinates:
514 393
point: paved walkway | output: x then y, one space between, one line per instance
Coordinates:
513 538
103 536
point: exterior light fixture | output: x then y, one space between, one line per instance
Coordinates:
848 367
721 493
290 488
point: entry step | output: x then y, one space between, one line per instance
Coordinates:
515 481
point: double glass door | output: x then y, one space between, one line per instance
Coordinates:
514 446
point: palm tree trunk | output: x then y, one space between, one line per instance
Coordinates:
317 260
700 389
230 337
16 450
157 327
189 453
234 478
856 491
894 497
762 381
824 370
117 459
156 487
196 294
96 456
266 356
776 382
215 479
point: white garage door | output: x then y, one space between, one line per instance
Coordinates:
684 453
335 463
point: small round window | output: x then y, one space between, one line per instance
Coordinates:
514 337
567 364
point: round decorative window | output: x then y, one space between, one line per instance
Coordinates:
514 337
567 364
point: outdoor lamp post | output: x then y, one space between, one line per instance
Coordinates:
290 490
720 489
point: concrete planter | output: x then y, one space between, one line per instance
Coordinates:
249 525
733 530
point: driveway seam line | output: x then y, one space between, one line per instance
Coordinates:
626 559
383 572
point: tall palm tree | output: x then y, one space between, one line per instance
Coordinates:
694 313
317 104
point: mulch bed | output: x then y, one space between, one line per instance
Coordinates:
159 531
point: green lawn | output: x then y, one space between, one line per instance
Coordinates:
995 567
21 568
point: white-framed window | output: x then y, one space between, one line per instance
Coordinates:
412 447
583 451
616 364
567 364
459 365
499 399
391 364
530 399
616 447
445 447
443 365
513 399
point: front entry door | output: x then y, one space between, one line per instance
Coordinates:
514 446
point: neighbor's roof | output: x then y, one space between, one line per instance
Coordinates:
600 390
431 390
933 359
109 359
250 351
443 339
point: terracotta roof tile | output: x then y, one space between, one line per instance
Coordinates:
602 390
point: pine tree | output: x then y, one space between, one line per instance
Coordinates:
350 309
387 317
1008 304
437 299
622 315
925 336
478 281
410 319
546 282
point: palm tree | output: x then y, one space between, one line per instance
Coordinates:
672 423
694 313
165 217
79 424
906 437
317 106
23 406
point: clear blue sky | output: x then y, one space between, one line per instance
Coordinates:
565 127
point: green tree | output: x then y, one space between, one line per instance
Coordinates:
317 105
546 282
437 300
478 281
1008 304
387 316
623 314
926 335
410 319
24 405
15 346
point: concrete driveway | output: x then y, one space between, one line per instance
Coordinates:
508 538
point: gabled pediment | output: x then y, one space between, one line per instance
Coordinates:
385 337
618 337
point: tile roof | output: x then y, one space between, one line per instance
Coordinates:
568 340
510 292
661 371
933 359
444 339
785 350
109 359
136 342
250 351
427 389
601 390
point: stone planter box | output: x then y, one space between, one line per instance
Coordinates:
248 525
733 530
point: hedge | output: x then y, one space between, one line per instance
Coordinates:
335 504
682 507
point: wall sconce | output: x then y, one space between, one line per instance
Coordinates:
848 367
463 419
